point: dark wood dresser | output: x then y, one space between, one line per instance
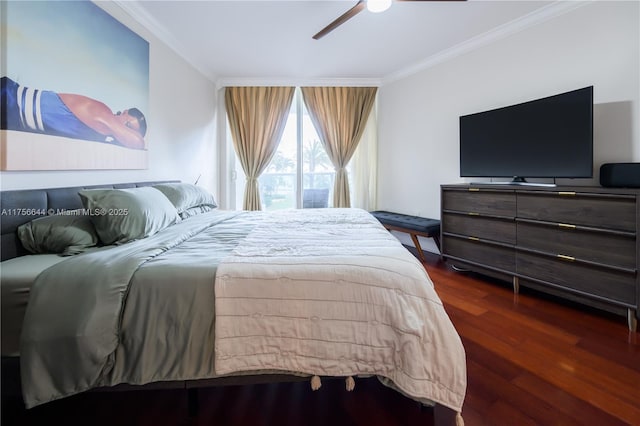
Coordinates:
580 243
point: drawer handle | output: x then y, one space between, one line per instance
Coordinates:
473 238
564 257
566 226
474 189
566 193
473 214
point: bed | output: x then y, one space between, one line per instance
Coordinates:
173 291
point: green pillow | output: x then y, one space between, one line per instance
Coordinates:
194 211
67 234
123 215
187 198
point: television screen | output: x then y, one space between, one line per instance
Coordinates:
550 137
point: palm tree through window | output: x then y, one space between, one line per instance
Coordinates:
300 174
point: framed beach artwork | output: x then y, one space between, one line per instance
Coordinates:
75 89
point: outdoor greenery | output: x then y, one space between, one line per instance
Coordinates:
278 182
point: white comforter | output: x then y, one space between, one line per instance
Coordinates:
331 292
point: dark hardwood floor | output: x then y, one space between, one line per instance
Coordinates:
537 360
531 360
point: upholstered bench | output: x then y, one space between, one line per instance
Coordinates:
412 225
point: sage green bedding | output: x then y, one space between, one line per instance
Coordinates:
17 276
136 313
67 234
179 304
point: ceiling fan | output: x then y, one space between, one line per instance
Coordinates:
371 5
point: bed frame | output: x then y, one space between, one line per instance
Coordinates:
21 206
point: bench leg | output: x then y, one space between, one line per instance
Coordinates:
436 239
416 243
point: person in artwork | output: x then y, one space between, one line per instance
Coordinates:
69 115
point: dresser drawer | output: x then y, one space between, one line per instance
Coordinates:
502 230
609 284
502 258
610 212
600 247
497 203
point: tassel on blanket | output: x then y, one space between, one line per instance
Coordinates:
350 384
459 419
315 383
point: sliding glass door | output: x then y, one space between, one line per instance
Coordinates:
300 174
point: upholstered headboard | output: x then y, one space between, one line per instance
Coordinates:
21 206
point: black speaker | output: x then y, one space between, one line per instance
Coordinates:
620 175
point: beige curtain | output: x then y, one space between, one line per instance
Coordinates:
339 115
364 167
257 117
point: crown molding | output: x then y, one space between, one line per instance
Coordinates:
297 82
140 15
537 17
559 7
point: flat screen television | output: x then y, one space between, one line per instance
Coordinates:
550 137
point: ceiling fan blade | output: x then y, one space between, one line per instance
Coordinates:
341 19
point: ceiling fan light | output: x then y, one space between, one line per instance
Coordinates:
378 5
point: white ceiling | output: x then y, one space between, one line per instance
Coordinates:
235 41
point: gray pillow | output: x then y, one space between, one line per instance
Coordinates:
67 234
187 198
194 211
123 215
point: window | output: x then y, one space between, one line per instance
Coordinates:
300 174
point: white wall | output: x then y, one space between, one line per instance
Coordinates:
182 126
597 44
